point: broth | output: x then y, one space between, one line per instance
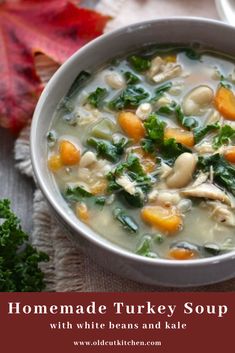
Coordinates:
143 151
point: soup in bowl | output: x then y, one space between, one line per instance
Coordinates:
140 152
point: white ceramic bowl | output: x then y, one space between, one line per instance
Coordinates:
211 34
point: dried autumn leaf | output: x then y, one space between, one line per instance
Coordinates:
56 28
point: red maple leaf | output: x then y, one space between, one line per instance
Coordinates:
56 28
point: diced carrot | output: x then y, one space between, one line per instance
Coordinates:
225 102
82 212
69 154
54 163
164 219
99 187
182 136
182 254
229 155
131 125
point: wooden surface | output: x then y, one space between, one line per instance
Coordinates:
13 185
18 188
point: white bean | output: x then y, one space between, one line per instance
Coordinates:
182 171
143 110
115 80
200 97
87 159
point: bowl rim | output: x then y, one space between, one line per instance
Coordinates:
108 245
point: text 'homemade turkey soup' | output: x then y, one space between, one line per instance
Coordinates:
143 151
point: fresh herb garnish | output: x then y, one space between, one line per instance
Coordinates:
19 271
127 222
139 63
130 97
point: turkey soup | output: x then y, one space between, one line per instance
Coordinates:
143 151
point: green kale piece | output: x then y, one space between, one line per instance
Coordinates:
19 270
130 97
139 63
96 98
131 79
224 173
127 222
226 134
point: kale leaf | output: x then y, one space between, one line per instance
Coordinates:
226 134
96 98
144 249
133 169
139 63
174 109
154 128
148 145
19 271
130 97
127 222
161 89
192 54
188 123
79 194
201 132
76 193
168 149
224 173
131 79
111 151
